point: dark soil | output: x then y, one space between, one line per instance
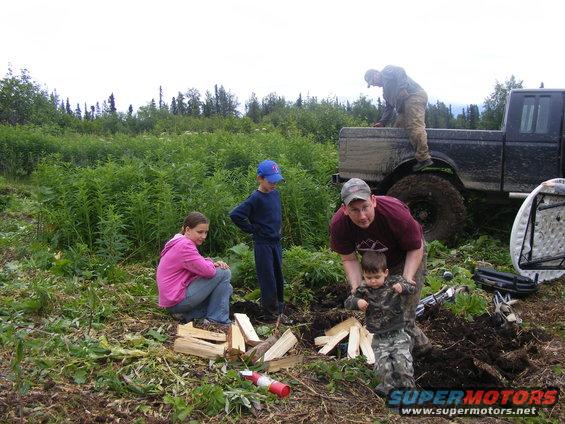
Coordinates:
475 353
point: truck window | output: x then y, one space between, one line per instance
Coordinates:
535 115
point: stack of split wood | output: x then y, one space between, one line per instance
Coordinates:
360 339
241 334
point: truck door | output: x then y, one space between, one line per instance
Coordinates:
532 151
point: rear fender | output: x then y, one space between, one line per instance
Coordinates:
442 166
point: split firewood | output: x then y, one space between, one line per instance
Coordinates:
236 341
281 346
188 330
251 337
353 343
333 341
365 343
198 347
321 340
344 325
256 353
282 363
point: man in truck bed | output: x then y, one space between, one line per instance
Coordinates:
409 99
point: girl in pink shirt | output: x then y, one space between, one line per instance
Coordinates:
190 285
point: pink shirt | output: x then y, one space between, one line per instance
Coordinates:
180 265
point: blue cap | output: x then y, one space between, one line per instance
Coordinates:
269 170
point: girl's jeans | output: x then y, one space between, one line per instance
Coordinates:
207 298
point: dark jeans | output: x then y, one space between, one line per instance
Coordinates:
268 264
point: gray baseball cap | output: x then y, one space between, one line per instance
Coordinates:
355 189
370 76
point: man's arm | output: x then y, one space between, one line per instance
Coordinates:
412 263
352 269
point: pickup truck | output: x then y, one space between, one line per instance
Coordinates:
529 149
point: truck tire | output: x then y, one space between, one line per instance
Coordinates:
434 202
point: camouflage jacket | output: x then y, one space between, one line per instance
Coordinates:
386 307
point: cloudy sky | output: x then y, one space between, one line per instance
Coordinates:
456 50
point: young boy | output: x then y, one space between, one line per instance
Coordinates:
261 216
383 300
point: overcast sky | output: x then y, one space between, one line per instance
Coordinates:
456 50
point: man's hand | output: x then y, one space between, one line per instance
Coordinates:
362 304
397 288
378 124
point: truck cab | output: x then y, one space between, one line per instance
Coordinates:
534 134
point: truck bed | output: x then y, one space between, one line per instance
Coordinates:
373 153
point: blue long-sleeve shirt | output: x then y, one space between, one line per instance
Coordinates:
260 215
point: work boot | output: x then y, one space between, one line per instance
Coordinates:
180 318
273 318
422 164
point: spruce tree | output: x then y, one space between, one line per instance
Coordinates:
181 106
112 104
253 109
68 107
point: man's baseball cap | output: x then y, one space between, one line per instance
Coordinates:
269 170
370 77
355 189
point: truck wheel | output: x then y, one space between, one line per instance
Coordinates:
434 202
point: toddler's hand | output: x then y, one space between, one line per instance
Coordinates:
397 288
362 304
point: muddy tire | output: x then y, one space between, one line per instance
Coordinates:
434 202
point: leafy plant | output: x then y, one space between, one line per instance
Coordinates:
209 398
468 306
336 372
181 409
112 244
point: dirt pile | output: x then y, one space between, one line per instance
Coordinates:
475 353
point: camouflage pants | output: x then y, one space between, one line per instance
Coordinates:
393 361
419 339
413 119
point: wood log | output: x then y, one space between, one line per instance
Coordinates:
256 353
353 343
283 363
334 340
321 340
365 343
344 325
236 341
197 347
251 337
188 330
281 346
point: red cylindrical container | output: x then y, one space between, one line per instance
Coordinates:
276 387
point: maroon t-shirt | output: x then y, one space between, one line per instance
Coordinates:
393 226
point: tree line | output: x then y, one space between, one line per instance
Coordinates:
24 101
